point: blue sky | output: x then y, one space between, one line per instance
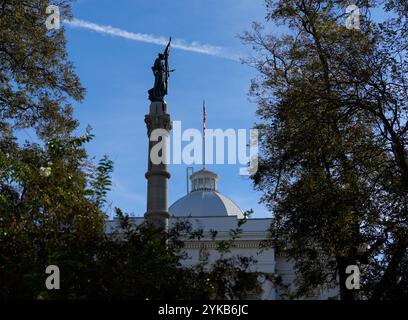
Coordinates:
117 74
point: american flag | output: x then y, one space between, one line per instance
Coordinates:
204 117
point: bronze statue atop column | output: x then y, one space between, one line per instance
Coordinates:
161 73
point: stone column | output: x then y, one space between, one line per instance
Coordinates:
157 176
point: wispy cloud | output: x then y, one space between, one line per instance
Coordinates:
181 44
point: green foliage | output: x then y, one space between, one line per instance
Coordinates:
225 246
333 167
138 262
102 181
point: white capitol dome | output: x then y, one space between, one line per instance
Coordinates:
204 200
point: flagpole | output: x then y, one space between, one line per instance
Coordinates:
204 120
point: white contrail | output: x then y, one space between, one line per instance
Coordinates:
176 43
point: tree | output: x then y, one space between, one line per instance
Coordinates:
334 128
37 79
44 204
139 262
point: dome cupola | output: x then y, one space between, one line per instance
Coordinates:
204 200
204 180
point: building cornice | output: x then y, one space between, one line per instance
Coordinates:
214 244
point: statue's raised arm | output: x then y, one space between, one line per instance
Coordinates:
167 54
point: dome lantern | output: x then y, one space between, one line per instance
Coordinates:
204 180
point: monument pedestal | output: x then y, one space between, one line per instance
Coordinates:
157 176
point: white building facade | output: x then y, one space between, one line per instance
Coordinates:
206 209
